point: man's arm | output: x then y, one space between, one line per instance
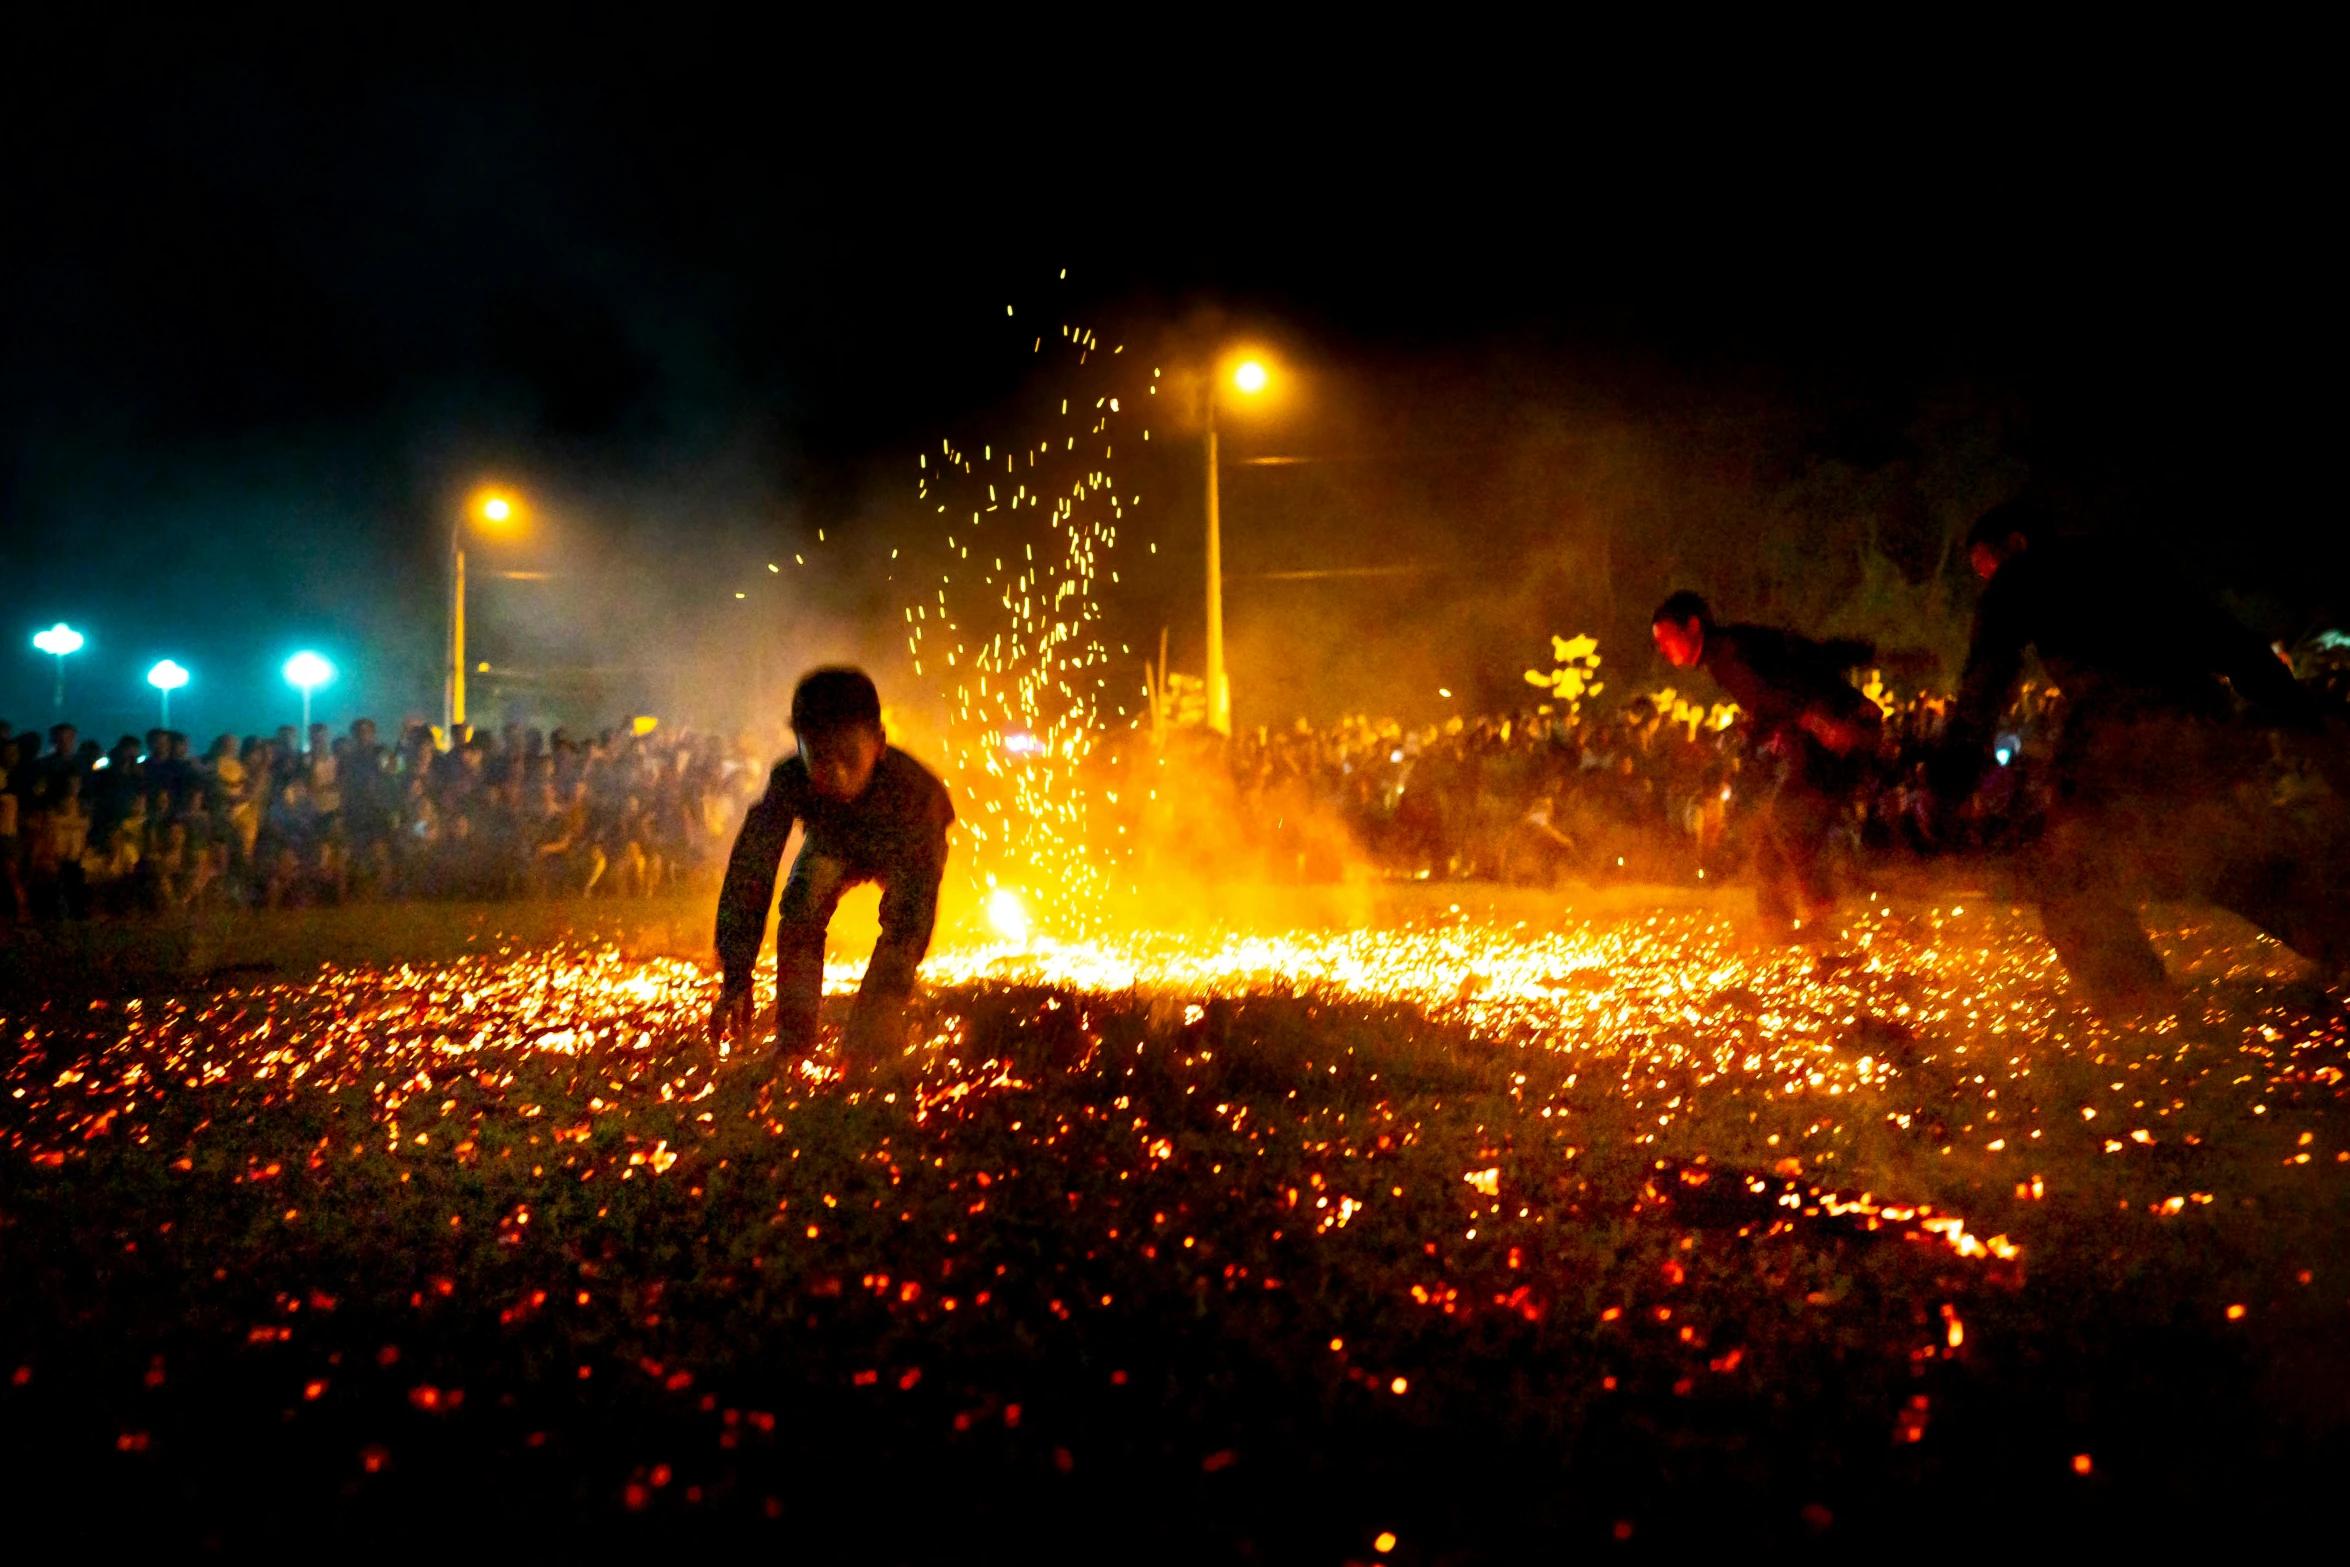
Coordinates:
1835 713
749 887
909 914
2263 680
1843 653
1785 680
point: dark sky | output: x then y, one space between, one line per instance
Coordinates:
271 303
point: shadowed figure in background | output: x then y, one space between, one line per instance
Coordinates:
2164 785
871 813
1808 729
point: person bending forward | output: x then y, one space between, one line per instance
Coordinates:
1809 730
871 813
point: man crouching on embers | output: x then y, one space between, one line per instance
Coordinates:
1808 729
872 813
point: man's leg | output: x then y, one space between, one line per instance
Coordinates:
1818 797
1774 907
2291 877
810 895
2089 909
2103 946
909 913
1800 820
2279 900
1790 830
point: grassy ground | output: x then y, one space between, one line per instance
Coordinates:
487 1255
218 948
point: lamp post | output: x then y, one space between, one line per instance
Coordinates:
168 677
1249 377
58 641
308 671
497 510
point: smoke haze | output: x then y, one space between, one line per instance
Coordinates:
270 316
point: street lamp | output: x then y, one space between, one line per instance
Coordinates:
308 671
1249 378
59 640
167 677
496 509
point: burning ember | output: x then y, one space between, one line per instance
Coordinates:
1613 1160
1924 1036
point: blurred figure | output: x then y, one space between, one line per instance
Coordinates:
369 806
285 757
12 898
2161 777
61 836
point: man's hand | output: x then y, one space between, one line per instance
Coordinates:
730 1016
1840 735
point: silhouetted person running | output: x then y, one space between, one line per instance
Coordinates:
872 813
2160 776
1807 730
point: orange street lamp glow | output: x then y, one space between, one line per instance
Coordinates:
496 509
1251 379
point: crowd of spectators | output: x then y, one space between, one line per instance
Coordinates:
289 820
1652 790
1655 789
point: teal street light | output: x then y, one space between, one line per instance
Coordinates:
167 677
308 671
58 641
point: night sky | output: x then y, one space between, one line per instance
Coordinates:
274 304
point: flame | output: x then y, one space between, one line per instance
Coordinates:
1005 914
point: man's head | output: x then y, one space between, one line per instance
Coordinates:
2001 534
63 738
837 715
1680 626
